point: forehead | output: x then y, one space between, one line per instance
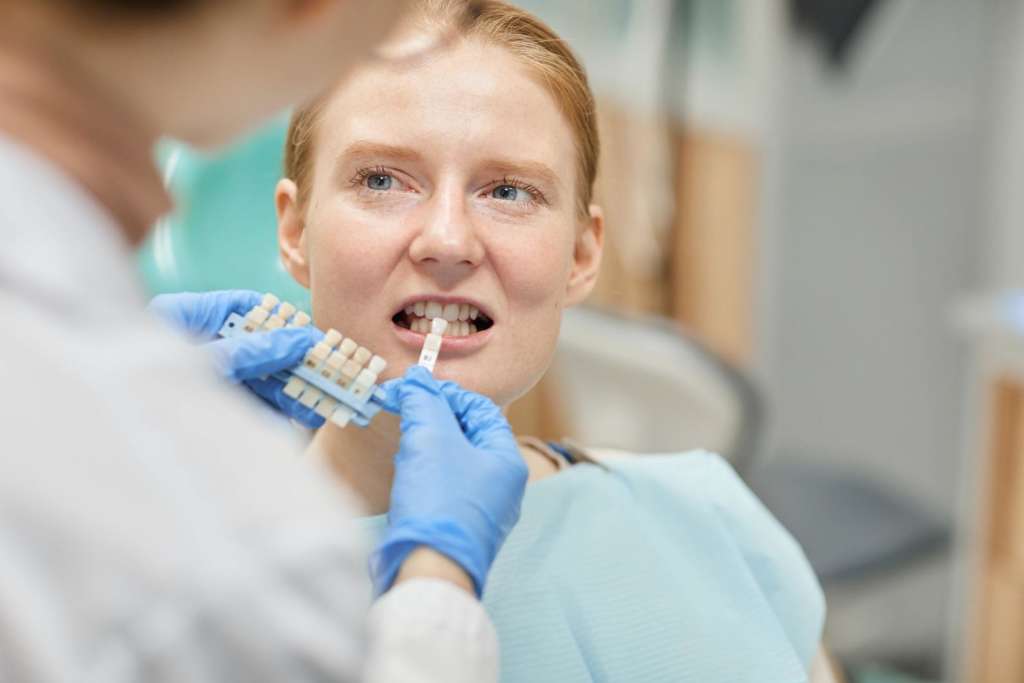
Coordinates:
474 100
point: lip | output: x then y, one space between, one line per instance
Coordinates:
450 346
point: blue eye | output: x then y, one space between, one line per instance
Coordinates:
379 181
506 192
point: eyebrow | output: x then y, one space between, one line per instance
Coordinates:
365 148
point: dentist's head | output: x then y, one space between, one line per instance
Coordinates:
197 70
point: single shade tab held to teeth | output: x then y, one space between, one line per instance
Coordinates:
432 344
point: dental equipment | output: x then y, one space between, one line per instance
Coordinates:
337 378
432 344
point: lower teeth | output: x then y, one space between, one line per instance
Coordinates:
456 328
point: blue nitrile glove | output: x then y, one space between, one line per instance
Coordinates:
459 479
246 359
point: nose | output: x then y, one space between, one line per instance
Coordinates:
447 241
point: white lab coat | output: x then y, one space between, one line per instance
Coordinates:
155 524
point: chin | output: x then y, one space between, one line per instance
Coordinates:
474 380
464 377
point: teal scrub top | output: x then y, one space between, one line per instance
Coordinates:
658 568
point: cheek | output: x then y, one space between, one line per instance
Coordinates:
339 260
535 272
349 262
533 276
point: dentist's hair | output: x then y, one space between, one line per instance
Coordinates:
133 8
518 31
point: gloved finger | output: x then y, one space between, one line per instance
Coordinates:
480 418
255 355
477 416
272 391
391 402
421 404
202 314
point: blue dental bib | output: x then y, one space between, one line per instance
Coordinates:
658 568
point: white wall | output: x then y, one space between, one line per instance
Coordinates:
1004 255
876 212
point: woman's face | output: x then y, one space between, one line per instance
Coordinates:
446 188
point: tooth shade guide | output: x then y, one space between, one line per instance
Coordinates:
286 310
258 314
364 382
264 316
326 407
349 371
428 359
310 397
432 344
256 317
294 387
317 355
336 360
311 382
341 417
274 323
360 390
362 355
347 347
332 365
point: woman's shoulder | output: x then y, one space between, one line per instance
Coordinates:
701 491
697 487
617 456
698 473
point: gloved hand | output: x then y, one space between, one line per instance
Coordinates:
243 359
459 479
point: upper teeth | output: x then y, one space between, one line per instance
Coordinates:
450 312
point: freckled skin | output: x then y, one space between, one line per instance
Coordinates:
461 211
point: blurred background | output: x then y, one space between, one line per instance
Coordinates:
816 225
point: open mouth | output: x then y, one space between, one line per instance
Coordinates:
463 319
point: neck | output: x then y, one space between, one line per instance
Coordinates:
362 458
51 105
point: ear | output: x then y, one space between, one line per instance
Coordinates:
291 231
586 257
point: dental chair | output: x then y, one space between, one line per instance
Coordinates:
641 384
223 231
